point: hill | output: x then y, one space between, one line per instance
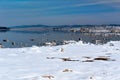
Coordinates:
4 28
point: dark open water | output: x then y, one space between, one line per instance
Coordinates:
15 39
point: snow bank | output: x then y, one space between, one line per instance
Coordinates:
75 61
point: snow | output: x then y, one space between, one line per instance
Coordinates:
74 61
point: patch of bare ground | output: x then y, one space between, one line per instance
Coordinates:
67 70
99 58
86 57
118 49
62 50
88 61
104 58
63 59
92 78
48 76
68 59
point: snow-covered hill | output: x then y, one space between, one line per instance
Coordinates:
76 61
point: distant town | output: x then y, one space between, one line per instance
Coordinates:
111 28
90 29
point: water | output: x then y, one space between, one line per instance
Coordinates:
28 39
16 39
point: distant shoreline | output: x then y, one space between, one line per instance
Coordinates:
4 29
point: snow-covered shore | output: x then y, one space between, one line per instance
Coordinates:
76 61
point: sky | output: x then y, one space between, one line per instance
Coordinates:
59 12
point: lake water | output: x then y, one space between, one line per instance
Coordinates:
16 39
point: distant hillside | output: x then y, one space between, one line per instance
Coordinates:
62 26
46 26
28 26
40 28
56 28
4 28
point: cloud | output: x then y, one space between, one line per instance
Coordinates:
110 3
95 2
98 2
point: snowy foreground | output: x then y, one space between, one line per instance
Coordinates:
75 61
